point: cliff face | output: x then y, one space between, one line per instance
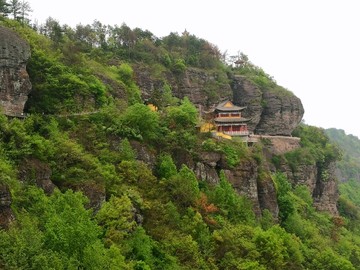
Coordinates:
14 79
271 112
275 113
33 171
324 190
259 188
244 178
6 214
247 94
203 88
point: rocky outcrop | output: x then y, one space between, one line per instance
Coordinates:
206 169
206 172
144 154
267 196
247 94
272 111
322 184
94 191
304 174
33 171
326 192
151 88
244 179
247 182
203 88
6 214
281 114
319 179
14 79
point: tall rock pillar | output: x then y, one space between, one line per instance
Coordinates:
15 84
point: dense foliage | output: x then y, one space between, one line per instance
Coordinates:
114 209
348 171
349 166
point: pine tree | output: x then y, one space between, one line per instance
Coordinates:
4 8
19 10
14 8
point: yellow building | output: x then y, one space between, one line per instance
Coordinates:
228 119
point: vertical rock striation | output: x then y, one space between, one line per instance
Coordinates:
14 79
324 190
6 214
203 88
247 94
281 114
272 112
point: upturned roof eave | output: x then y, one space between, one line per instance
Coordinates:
231 120
221 107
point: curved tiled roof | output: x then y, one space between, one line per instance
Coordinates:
222 107
231 120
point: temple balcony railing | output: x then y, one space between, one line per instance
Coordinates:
237 133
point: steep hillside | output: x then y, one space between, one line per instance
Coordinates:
93 178
348 171
349 166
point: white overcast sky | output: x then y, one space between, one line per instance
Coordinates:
310 47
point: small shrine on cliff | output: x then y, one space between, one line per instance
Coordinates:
229 121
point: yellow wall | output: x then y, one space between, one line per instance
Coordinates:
223 135
207 127
153 107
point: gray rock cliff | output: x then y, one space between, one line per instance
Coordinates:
202 87
322 184
14 79
271 112
244 178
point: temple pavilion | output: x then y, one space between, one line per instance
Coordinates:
228 119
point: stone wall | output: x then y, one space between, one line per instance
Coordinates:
278 144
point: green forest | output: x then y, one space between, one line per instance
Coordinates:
122 196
